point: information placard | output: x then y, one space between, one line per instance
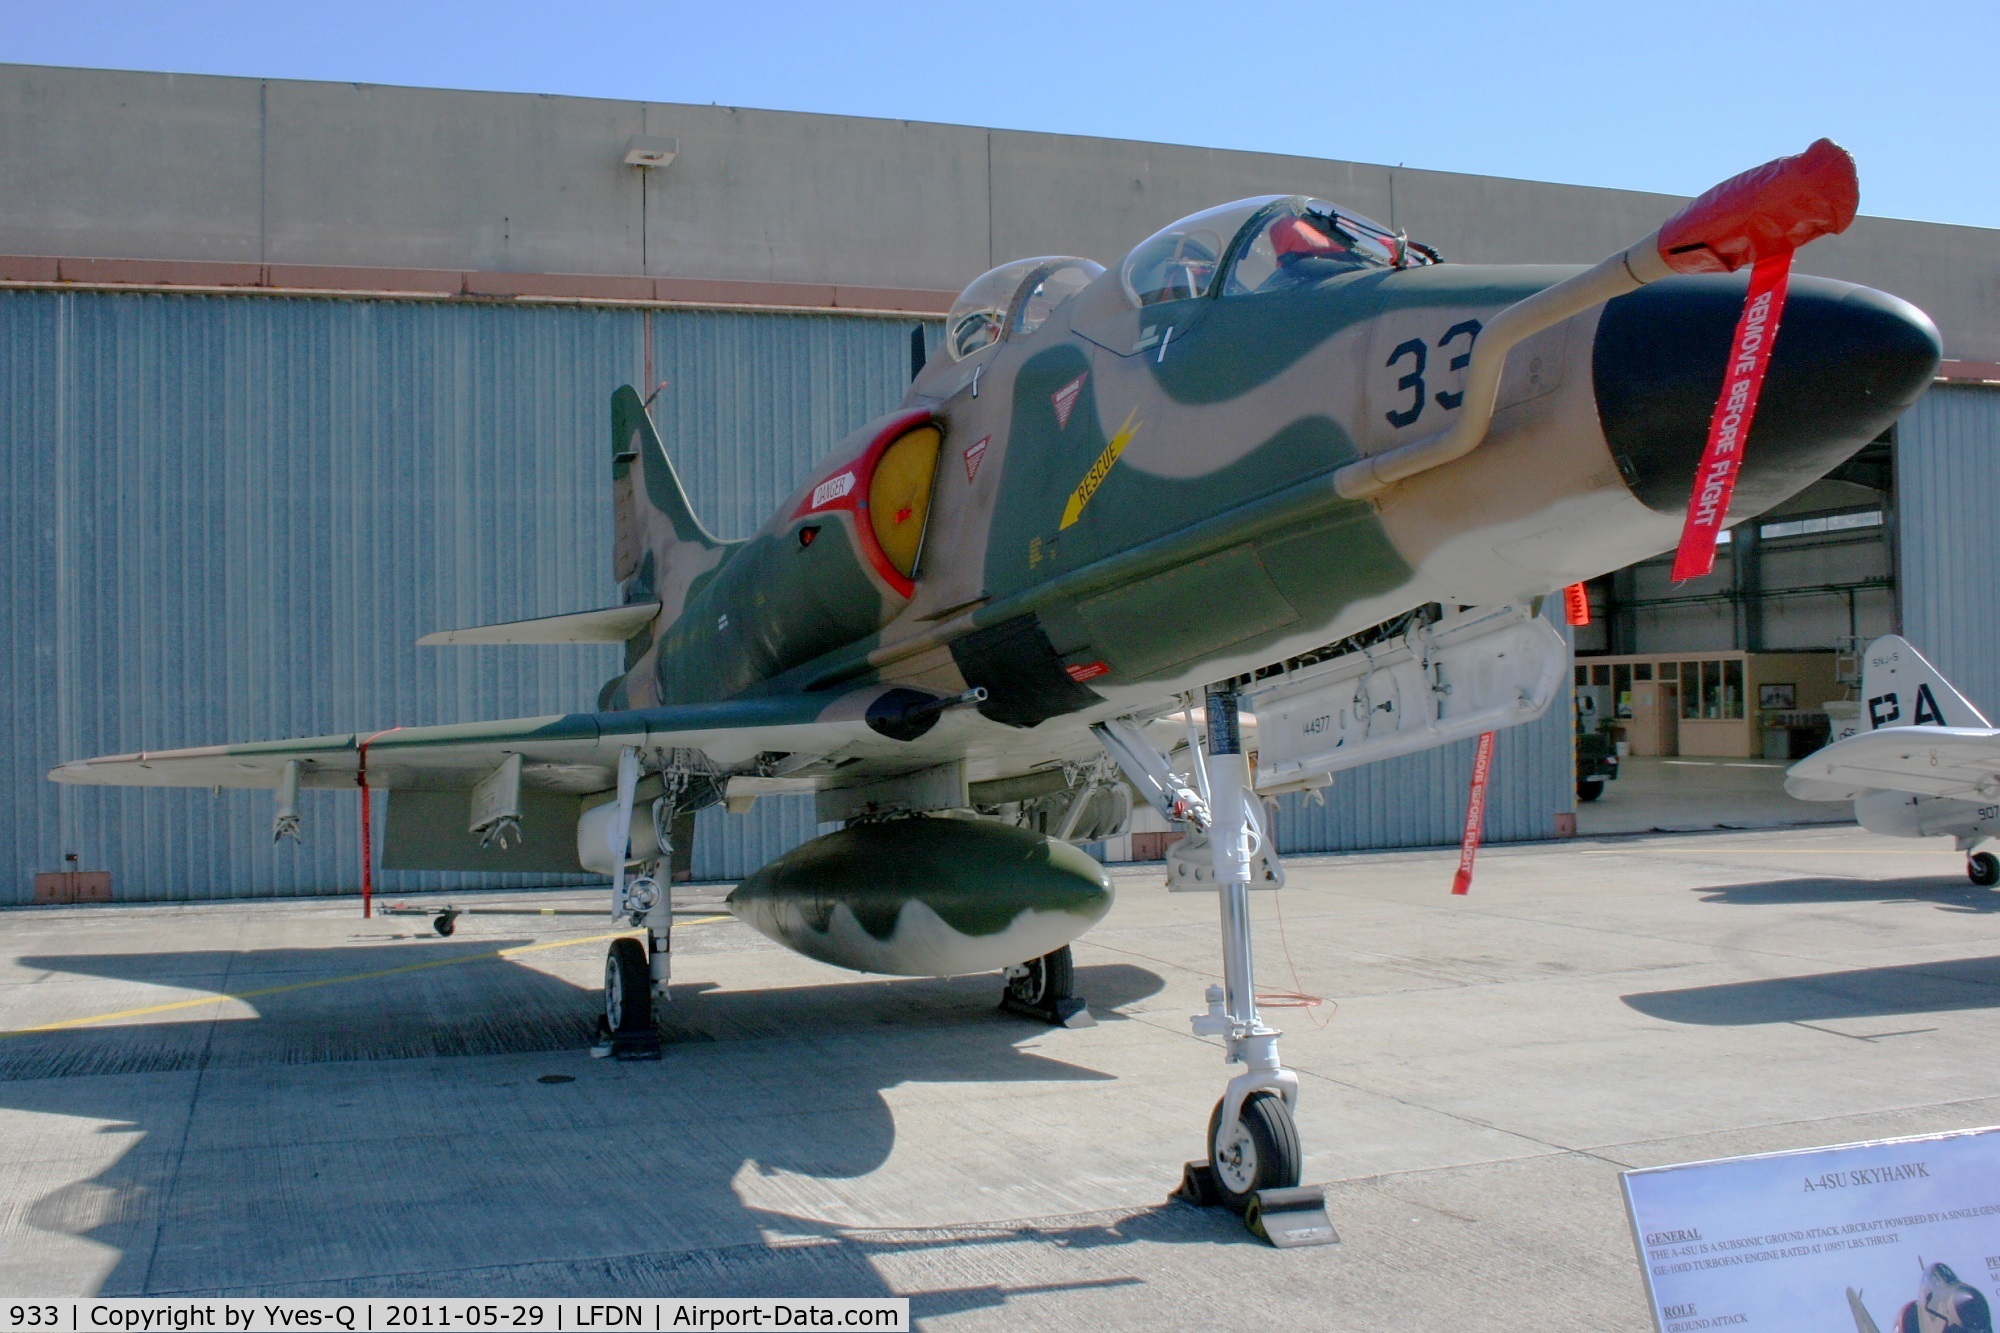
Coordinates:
1878 1237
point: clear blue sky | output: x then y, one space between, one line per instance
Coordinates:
1653 97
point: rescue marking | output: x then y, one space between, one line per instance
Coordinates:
1065 399
1082 671
973 453
1099 470
172 1005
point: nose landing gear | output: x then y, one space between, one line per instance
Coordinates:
1254 1160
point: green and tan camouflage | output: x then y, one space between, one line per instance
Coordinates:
1114 488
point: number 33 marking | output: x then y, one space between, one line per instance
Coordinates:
1413 382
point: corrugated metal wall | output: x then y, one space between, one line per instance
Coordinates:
1948 518
229 518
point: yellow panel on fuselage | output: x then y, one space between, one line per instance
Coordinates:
899 495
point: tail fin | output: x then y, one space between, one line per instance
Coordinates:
1900 688
657 530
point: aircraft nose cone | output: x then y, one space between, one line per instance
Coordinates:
1847 362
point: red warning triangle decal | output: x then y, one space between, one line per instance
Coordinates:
973 454
1065 399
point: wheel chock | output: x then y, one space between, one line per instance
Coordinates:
643 1044
1197 1186
1070 1012
1289 1218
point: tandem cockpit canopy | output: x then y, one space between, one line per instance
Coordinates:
1013 300
1269 243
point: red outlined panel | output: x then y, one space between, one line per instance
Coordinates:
843 488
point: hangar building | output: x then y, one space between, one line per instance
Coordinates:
292 373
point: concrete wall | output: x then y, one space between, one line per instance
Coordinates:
160 166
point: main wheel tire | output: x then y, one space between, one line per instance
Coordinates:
1983 869
628 987
445 923
1589 789
1044 980
1263 1154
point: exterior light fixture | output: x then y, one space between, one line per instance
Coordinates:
650 150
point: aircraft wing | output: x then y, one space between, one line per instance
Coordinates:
1959 762
576 752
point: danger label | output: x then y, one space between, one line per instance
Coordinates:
833 488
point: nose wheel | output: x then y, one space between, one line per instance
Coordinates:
1260 1152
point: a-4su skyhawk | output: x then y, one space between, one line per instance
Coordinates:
1280 456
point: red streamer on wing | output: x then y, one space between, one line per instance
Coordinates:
1576 604
367 833
1475 814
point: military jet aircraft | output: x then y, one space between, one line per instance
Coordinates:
1943 1305
1281 460
1927 765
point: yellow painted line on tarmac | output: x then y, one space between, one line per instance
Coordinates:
1789 851
173 1005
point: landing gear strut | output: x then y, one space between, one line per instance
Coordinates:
633 975
1254 1159
633 972
1045 988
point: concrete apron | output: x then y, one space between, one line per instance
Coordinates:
1477 1073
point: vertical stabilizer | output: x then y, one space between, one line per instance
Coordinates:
1900 688
653 513
660 550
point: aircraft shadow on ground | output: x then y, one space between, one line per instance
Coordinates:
452 1152
1869 992
1954 894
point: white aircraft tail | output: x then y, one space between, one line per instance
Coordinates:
1900 688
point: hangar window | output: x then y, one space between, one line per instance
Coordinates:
1300 242
1027 290
1181 261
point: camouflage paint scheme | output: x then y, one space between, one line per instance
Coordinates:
1133 501
874 896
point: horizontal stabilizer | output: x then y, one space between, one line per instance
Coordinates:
1960 763
613 624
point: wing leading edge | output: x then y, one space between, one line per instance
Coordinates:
576 752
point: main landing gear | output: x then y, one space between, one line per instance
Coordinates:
1983 869
1045 988
635 973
